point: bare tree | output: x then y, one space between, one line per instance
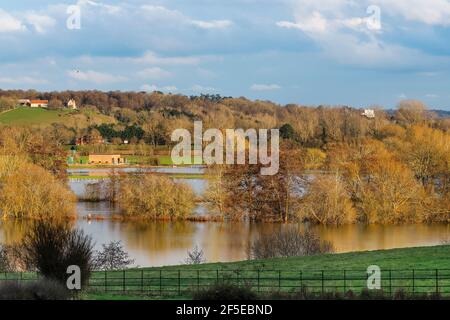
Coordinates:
112 257
289 243
196 256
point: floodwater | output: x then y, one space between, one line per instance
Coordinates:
157 243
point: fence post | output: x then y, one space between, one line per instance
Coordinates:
413 280
345 281
258 280
301 279
198 280
390 283
106 281
179 282
437 282
322 283
279 280
160 282
217 276
142 280
123 281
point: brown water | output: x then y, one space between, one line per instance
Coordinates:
164 243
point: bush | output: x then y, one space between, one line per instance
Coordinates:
225 291
196 256
289 243
29 191
51 248
43 289
156 197
112 257
5 264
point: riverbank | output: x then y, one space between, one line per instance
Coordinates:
423 260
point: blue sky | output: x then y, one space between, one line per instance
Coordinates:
311 52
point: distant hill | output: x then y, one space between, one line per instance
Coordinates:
440 113
38 117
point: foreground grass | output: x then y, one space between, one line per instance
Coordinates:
285 274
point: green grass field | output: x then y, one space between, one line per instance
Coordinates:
413 270
321 272
26 116
30 116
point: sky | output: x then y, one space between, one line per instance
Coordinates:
310 52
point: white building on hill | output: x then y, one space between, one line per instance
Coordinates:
369 113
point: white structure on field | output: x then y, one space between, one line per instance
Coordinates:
369 113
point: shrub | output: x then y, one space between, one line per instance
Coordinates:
43 289
5 264
225 291
288 243
112 257
155 197
29 191
51 248
196 256
328 202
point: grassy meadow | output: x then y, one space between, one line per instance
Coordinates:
398 267
27 116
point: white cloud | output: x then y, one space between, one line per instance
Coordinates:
94 76
265 87
334 25
23 80
431 95
151 88
312 23
106 7
152 58
156 13
430 12
213 24
41 23
154 73
202 89
9 23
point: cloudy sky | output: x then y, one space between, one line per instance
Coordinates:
358 53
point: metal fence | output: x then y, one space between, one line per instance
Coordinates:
170 282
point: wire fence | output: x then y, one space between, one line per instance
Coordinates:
182 282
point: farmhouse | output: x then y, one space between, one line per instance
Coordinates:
106 159
39 103
33 103
71 104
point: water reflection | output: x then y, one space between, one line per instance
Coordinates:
163 243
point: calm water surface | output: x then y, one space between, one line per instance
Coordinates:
163 243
